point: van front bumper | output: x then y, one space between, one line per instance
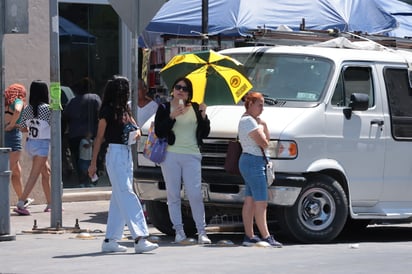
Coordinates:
149 185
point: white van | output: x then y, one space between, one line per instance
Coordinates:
340 122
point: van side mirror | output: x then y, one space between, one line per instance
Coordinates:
358 101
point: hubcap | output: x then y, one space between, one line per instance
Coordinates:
317 209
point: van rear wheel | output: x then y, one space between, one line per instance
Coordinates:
320 212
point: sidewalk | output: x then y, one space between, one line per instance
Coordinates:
46 250
90 216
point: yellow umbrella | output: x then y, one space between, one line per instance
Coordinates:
217 79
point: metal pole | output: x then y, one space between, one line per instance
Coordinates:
56 159
205 23
4 193
2 84
135 68
4 152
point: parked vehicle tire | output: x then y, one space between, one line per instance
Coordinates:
158 215
320 212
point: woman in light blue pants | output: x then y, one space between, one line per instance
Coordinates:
124 204
116 126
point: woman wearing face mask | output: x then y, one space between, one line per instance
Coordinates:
184 123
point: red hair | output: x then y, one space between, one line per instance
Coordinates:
13 92
252 97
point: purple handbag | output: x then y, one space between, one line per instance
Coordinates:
159 148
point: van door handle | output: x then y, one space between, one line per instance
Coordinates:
377 122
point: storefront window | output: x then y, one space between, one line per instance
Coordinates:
89 49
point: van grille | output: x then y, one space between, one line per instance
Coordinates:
214 153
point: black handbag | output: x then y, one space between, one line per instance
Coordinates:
234 150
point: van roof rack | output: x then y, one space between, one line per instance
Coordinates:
309 37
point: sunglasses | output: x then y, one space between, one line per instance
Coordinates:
179 87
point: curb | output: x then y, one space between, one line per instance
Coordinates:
86 194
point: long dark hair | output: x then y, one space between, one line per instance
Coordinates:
116 95
39 94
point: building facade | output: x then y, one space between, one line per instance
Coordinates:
94 43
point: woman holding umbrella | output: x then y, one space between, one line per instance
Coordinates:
184 124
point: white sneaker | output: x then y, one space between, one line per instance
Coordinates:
144 245
28 202
180 237
203 239
20 204
112 246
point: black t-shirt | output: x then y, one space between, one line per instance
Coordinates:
114 128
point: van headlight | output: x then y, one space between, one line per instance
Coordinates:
283 149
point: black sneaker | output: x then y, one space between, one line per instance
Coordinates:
272 242
250 241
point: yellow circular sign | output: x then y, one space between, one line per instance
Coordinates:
235 81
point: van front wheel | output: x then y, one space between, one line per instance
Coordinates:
319 213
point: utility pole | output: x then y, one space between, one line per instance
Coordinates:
55 91
135 68
4 152
205 24
2 85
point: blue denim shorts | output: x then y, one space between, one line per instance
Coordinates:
38 147
252 169
13 139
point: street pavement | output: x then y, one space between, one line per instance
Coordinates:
76 248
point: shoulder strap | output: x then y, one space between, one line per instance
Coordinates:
195 107
264 156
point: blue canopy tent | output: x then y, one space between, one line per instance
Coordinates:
403 15
70 32
237 17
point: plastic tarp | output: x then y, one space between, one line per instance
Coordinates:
236 17
342 42
403 15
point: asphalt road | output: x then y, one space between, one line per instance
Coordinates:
380 249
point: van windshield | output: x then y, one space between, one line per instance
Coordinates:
286 77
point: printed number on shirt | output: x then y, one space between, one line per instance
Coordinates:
38 129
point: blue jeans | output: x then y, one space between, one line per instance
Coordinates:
12 139
83 169
124 207
252 168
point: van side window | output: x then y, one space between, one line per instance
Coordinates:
400 101
353 80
